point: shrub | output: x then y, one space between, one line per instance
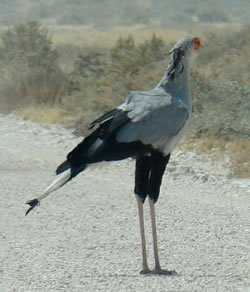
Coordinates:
127 58
29 66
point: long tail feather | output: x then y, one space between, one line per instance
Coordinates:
57 183
33 204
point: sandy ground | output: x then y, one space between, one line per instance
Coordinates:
85 237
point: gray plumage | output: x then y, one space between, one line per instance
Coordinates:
156 118
159 117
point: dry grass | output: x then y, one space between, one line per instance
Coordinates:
234 150
240 163
45 114
85 36
204 144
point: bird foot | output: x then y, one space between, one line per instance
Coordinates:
158 272
145 271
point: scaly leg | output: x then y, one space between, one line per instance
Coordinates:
158 270
154 233
145 269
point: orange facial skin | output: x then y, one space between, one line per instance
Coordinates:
197 44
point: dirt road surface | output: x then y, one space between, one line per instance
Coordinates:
85 236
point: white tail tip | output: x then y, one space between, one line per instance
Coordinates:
56 184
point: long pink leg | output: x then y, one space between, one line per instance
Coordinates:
145 268
158 269
154 233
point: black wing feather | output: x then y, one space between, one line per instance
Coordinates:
103 118
107 126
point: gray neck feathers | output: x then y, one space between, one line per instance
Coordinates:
176 78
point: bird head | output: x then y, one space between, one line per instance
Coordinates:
181 54
187 46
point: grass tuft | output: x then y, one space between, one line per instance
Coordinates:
45 114
240 162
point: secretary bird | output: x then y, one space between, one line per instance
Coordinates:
147 127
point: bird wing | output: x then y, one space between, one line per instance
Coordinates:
154 116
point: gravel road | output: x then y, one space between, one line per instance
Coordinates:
85 236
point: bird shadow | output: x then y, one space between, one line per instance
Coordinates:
177 275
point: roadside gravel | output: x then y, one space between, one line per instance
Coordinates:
85 236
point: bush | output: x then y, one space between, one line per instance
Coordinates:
29 67
127 58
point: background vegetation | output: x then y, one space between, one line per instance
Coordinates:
72 82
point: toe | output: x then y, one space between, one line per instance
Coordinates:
145 272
